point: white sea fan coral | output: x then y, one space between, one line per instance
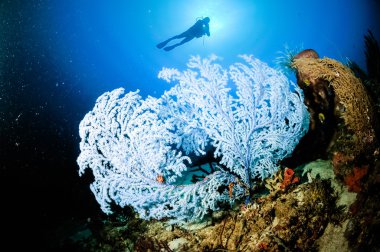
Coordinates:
123 141
252 130
129 143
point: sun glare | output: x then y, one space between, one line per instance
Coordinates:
224 15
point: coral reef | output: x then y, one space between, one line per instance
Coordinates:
371 77
344 114
327 204
363 226
281 221
353 181
353 148
138 150
289 178
351 101
320 101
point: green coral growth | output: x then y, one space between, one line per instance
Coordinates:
284 61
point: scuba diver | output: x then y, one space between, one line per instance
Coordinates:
200 28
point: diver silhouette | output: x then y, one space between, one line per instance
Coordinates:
200 28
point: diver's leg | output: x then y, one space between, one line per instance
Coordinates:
162 44
183 41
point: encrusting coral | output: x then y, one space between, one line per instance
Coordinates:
351 123
281 221
351 101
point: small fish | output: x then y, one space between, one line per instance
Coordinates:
321 117
307 82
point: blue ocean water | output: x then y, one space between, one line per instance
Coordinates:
109 45
57 57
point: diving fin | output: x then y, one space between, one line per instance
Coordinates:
168 48
162 44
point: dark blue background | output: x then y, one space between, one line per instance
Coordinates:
57 57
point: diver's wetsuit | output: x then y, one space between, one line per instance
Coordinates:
200 28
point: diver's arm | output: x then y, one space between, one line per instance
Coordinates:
207 30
